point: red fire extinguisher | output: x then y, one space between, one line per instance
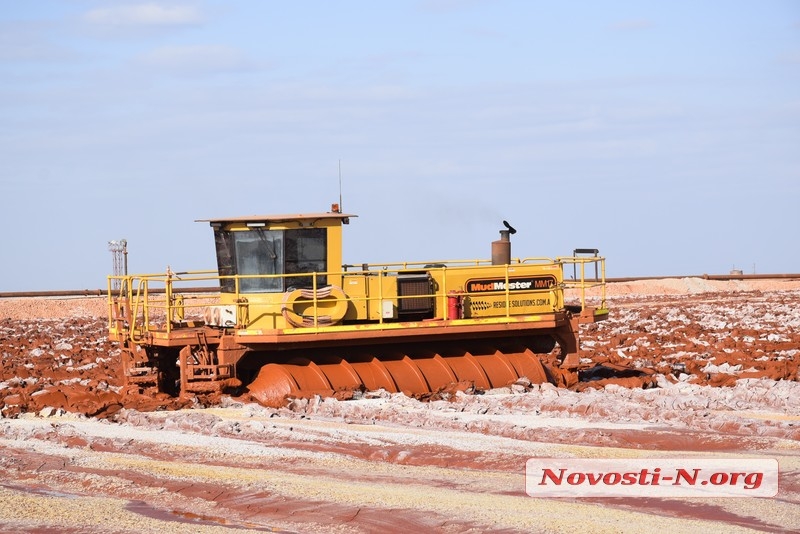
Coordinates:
455 305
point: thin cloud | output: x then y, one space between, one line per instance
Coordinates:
790 58
150 14
447 6
633 25
22 41
485 33
197 59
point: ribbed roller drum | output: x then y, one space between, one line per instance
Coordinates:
418 373
374 375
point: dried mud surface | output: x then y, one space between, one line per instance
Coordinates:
79 453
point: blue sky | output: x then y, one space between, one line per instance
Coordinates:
666 134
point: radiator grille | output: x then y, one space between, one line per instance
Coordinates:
410 285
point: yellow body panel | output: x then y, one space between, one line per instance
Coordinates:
367 293
482 291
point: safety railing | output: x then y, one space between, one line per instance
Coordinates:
582 283
419 265
139 304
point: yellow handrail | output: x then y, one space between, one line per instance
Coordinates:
139 290
583 283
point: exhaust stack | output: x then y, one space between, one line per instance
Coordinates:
501 249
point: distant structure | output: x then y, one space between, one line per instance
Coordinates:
119 258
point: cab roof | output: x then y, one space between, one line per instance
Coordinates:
279 218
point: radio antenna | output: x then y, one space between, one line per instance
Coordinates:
341 208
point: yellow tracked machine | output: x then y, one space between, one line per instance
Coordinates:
291 319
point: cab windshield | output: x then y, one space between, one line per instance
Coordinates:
258 254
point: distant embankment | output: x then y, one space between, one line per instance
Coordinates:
102 292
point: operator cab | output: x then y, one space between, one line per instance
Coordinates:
278 253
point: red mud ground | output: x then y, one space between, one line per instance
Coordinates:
80 454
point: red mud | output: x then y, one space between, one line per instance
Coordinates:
69 364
